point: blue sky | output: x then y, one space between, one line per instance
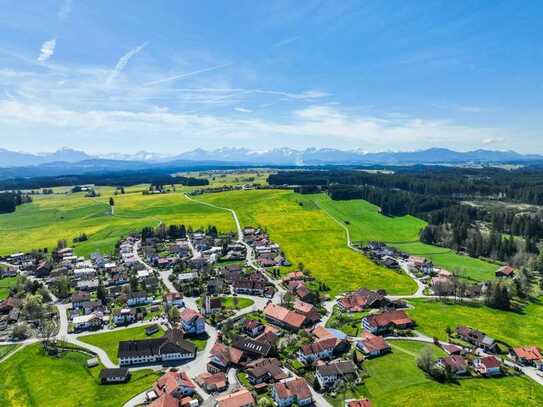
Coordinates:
170 76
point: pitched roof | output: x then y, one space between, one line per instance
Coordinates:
169 343
359 403
293 388
284 315
490 362
337 369
398 317
114 372
251 346
319 346
375 343
455 362
238 399
359 300
530 353
165 400
188 314
320 332
227 354
171 380
266 367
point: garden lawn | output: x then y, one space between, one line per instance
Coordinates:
366 224
307 234
515 329
5 285
349 323
229 302
395 380
30 378
109 341
53 217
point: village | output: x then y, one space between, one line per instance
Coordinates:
266 337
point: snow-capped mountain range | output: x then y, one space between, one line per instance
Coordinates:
278 156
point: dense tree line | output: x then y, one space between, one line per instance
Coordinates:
116 179
10 200
523 185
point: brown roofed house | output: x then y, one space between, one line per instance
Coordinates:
240 398
283 317
387 321
290 391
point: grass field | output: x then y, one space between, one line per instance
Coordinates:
308 235
228 302
367 224
7 349
32 379
53 217
395 380
5 285
515 329
109 341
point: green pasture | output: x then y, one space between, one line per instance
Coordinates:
309 235
366 223
31 378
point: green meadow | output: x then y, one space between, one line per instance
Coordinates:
395 380
31 378
109 341
5 285
308 235
365 224
64 216
515 329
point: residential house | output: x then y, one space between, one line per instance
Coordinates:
418 263
310 312
169 348
283 317
240 398
252 327
488 366
330 373
192 322
138 298
386 322
125 316
248 286
527 356
174 299
362 299
372 345
177 384
265 370
212 382
222 356
505 271
114 375
358 403
79 298
88 322
323 349
88 285
292 391
477 338
456 364
251 348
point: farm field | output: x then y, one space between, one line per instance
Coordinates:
30 378
515 329
109 341
365 224
5 285
395 380
308 235
53 217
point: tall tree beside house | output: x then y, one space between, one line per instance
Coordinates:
425 359
101 293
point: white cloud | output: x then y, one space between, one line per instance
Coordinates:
65 9
47 50
242 110
315 125
123 61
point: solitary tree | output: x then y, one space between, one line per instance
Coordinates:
111 201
